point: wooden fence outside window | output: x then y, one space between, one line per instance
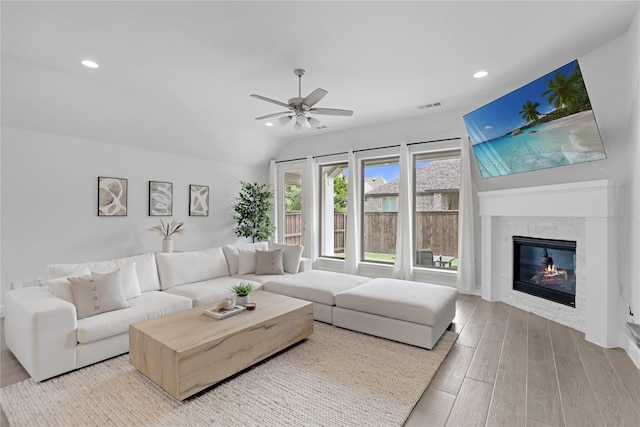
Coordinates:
436 230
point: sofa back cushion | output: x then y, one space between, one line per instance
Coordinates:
232 256
145 266
179 268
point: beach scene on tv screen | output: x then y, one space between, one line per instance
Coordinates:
545 124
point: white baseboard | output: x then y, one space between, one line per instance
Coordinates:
631 348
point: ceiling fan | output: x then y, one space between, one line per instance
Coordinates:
301 108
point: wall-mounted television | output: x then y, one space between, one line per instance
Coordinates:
547 123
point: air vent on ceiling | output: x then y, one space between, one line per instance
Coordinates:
435 104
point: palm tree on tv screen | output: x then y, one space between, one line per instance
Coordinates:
530 111
562 92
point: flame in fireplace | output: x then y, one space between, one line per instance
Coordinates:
550 274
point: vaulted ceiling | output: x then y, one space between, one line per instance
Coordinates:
176 76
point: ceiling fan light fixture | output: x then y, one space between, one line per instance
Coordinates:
302 108
301 119
314 122
284 120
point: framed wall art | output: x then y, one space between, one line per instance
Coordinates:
160 198
198 200
112 196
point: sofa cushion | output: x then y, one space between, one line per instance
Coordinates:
209 291
148 306
145 269
246 261
97 293
291 256
61 287
178 268
314 285
130 284
231 254
269 262
414 302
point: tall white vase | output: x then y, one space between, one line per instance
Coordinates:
167 244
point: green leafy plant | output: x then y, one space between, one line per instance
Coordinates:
252 212
243 289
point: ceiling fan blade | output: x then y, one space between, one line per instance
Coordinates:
273 115
284 120
331 112
314 97
273 101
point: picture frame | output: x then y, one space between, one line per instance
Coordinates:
112 196
160 198
198 200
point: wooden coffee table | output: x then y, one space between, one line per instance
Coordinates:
189 351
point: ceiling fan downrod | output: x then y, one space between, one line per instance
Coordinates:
299 72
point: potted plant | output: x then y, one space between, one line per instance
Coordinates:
242 292
252 212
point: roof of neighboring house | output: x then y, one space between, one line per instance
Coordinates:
373 183
434 176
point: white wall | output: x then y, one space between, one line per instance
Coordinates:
632 238
49 201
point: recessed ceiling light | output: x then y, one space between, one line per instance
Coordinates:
480 74
268 124
89 64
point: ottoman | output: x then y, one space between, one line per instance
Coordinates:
318 286
410 312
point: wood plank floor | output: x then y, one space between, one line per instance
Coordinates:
513 368
507 368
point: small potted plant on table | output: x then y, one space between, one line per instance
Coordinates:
242 292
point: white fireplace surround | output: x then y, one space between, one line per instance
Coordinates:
584 212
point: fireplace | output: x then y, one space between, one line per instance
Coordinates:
545 268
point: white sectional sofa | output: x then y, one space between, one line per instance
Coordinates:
43 329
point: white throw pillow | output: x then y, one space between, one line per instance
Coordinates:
130 284
269 262
61 287
97 293
291 256
246 261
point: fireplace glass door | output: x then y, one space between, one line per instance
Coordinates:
545 268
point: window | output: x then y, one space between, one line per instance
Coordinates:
390 204
293 207
436 191
380 209
333 209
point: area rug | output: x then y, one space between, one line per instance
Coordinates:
335 378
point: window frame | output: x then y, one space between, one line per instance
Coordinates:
321 208
381 160
438 154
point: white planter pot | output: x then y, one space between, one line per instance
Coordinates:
241 301
167 244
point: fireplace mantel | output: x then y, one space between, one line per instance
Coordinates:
593 201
